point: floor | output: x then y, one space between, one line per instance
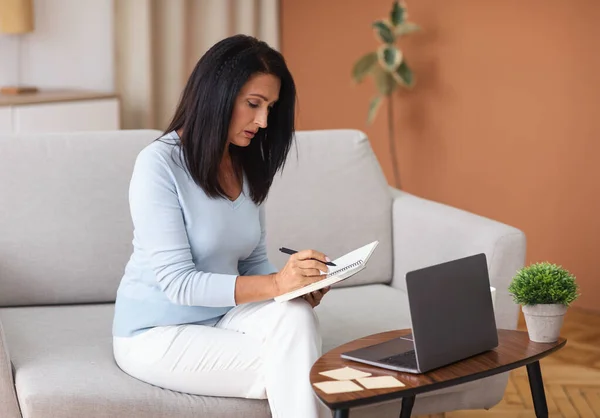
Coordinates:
571 376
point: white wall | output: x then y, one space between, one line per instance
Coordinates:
72 47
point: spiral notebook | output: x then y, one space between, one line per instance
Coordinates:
346 266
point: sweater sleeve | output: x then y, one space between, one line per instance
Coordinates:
258 263
159 230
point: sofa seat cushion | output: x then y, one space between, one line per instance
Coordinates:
64 366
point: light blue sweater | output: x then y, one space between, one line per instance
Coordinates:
188 249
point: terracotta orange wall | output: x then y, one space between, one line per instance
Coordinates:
504 120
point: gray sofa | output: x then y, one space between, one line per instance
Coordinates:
65 235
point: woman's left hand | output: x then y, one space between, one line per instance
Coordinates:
314 298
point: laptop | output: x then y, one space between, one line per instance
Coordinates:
452 319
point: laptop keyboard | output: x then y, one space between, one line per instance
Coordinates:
407 359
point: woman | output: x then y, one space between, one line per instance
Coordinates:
194 310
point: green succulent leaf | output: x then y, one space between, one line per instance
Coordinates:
405 28
397 14
404 75
373 108
543 283
384 31
389 57
384 81
363 66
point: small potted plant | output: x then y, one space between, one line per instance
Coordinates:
544 291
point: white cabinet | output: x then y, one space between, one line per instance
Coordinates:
59 111
6 120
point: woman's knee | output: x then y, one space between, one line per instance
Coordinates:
299 313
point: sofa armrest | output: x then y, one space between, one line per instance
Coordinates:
9 406
427 233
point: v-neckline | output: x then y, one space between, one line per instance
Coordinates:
240 198
235 203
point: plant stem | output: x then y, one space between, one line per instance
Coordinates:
392 139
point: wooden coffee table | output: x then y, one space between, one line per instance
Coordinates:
514 350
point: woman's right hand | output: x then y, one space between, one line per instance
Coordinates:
302 269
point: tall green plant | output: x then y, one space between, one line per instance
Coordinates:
389 69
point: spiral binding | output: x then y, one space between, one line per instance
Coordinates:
349 266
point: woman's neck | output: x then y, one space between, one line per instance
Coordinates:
227 165
226 154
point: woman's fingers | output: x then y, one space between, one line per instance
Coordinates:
309 298
313 264
314 298
310 272
312 254
307 254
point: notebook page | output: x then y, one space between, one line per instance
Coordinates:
352 260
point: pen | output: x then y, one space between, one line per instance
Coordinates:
290 252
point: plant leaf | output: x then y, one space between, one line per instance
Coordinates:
363 66
373 108
405 28
384 31
384 81
389 57
397 14
404 75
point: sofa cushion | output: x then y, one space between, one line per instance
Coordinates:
64 366
69 243
333 197
64 219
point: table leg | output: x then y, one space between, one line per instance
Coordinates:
536 384
341 413
407 406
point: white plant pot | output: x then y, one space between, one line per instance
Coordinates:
544 321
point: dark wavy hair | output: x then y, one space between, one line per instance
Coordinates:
206 105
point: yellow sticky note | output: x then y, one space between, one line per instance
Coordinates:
345 373
380 382
338 386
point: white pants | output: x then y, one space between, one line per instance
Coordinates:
257 350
